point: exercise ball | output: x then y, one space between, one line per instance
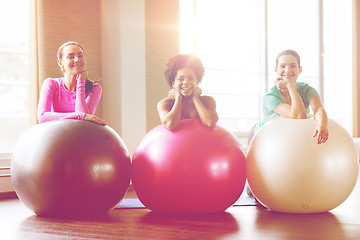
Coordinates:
289 172
70 168
193 169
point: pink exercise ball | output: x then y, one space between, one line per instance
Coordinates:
289 172
193 169
70 168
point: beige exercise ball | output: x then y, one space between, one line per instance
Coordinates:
289 172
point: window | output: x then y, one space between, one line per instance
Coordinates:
295 25
338 61
238 41
14 72
227 36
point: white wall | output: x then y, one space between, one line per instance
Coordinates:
124 93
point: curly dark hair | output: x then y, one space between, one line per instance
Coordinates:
183 61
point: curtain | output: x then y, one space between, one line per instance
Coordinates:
53 23
33 63
356 68
161 42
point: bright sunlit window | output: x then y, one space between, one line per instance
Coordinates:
14 72
338 61
238 41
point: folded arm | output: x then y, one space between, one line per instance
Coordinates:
295 109
84 105
206 108
87 104
169 110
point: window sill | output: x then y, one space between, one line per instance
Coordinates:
5 155
5 179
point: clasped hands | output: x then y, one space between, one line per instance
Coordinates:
174 94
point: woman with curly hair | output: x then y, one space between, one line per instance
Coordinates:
184 72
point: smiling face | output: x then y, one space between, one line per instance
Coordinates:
72 60
288 67
185 82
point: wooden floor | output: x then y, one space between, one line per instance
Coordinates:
241 222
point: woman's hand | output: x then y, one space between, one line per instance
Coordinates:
95 119
197 92
174 94
280 83
322 132
81 75
283 83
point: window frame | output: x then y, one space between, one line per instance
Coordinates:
264 74
6 154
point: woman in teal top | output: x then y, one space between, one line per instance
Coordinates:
292 99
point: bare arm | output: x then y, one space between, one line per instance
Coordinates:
169 109
296 108
206 108
320 116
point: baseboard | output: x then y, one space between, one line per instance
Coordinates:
8 195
